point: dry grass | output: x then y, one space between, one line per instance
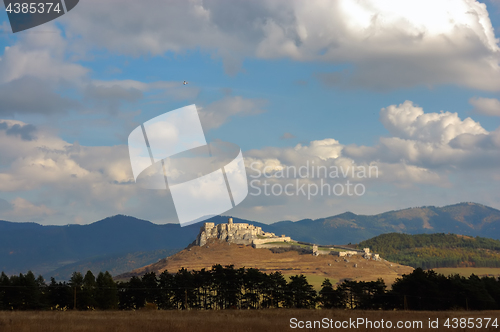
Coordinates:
288 263
210 321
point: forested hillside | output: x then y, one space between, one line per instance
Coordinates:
436 250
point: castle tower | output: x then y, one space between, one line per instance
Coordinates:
230 221
315 250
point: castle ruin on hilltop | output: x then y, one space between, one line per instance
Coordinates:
238 233
253 235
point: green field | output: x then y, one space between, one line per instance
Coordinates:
313 279
467 271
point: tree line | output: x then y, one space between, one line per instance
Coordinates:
430 251
229 288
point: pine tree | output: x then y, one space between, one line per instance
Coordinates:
300 293
89 292
107 291
327 295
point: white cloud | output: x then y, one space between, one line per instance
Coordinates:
431 140
324 149
35 70
423 148
49 180
409 121
62 182
486 106
390 44
49 164
333 156
43 56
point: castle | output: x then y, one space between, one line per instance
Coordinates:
238 233
252 235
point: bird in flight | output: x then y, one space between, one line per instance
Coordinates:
185 82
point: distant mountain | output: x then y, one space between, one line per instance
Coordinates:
45 249
465 218
42 249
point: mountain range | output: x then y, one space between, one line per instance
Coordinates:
122 243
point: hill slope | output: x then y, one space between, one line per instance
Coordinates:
113 263
290 262
436 250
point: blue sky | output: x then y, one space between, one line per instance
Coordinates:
289 82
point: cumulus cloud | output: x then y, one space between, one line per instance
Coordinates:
423 148
389 44
432 140
79 176
53 181
486 106
429 140
409 121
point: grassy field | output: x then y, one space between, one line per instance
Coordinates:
467 271
228 320
313 279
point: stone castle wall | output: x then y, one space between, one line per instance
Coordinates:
264 243
236 233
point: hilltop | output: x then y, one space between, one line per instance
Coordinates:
289 262
244 245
